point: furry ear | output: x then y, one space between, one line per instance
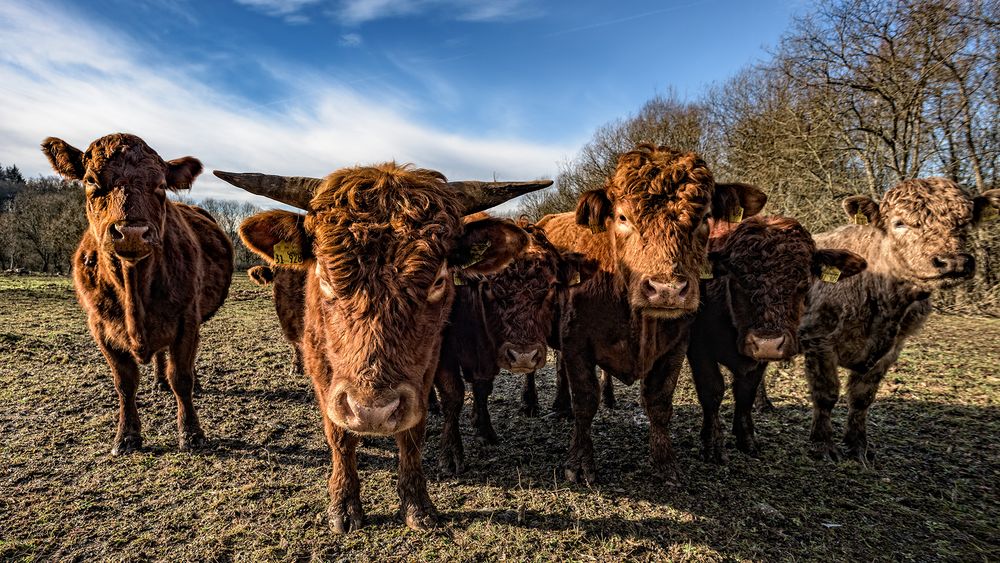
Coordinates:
279 237
487 246
986 207
261 275
575 268
181 172
65 159
846 263
861 210
735 202
593 209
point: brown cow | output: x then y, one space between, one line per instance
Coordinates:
148 270
751 305
380 246
288 286
648 229
914 242
501 321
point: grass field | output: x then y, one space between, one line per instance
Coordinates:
258 490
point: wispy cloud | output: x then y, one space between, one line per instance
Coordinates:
62 75
351 40
278 7
356 12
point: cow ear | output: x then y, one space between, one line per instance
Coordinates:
181 172
834 264
986 207
593 210
65 159
861 210
279 237
487 246
735 202
575 268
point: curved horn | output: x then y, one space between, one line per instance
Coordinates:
477 196
296 191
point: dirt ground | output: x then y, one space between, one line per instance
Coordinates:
258 490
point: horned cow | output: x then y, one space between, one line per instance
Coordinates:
148 271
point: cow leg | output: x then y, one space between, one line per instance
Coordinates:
125 371
744 393
160 371
433 405
861 391
580 467
711 387
298 363
481 389
607 391
561 406
762 402
415 506
452 390
658 399
824 387
181 375
529 396
344 512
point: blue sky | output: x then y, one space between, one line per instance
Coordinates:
505 89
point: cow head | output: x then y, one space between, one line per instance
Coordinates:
655 209
126 184
765 268
926 225
381 246
521 300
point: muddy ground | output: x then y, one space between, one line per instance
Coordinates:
258 492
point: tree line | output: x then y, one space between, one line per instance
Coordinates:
857 96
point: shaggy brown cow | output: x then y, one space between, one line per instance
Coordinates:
501 321
380 246
148 270
750 310
648 229
914 242
288 287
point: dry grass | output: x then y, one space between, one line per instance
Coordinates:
257 492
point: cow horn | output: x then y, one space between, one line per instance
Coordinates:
477 196
296 191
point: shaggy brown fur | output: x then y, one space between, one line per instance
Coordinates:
288 287
632 317
380 246
148 271
750 312
501 321
914 242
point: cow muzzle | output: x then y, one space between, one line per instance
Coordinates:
385 413
130 242
768 349
954 266
522 358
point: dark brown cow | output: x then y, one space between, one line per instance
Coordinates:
288 287
501 321
648 229
380 246
750 310
148 270
915 242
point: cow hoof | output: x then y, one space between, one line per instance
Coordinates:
668 474
127 444
419 516
748 446
824 451
162 385
451 463
861 453
487 438
714 454
581 474
346 516
191 440
562 414
529 410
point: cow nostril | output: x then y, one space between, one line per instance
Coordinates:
682 289
938 262
115 233
511 355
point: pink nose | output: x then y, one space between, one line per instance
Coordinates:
367 418
124 232
766 348
522 359
665 294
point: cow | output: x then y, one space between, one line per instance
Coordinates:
752 301
648 230
380 247
915 242
288 287
501 321
148 271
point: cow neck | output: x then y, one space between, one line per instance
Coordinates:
132 282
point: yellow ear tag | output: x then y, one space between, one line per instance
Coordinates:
830 274
457 279
737 215
286 253
706 272
596 228
989 214
860 219
476 253
575 278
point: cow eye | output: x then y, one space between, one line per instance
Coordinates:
622 218
900 225
438 288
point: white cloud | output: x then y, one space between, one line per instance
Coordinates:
355 12
278 7
351 40
63 76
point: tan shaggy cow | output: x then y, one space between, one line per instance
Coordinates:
148 270
380 246
914 242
